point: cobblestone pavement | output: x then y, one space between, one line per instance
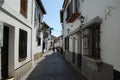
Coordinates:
54 67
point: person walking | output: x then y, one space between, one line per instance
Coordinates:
53 49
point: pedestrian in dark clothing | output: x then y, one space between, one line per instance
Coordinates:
53 49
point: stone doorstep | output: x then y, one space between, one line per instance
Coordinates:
10 79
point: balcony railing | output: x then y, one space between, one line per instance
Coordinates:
73 11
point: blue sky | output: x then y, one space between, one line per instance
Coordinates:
52 18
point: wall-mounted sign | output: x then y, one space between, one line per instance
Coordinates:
1 34
51 28
1 2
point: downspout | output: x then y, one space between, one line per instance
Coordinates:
32 34
1 44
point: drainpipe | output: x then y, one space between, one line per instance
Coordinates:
1 43
1 2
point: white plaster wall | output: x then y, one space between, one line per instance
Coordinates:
14 4
17 63
39 48
109 11
11 50
13 22
35 48
13 7
93 8
71 43
33 31
72 27
65 25
110 40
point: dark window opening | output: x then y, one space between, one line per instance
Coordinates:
39 20
22 45
67 43
39 41
23 7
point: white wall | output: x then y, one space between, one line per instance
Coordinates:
35 48
13 8
72 26
109 11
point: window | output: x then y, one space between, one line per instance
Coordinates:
35 14
91 42
73 11
67 43
39 20
68 31
23 7
22 45
38 41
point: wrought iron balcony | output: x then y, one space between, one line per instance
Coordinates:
73 11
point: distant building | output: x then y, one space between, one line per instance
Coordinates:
51 42
58 42
46 36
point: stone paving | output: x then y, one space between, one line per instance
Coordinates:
54 67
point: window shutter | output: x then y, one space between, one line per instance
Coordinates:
23 8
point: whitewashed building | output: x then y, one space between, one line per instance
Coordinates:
70 15
16 53
46 36
51 42
37 35
96 39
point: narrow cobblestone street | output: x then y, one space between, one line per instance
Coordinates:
54 67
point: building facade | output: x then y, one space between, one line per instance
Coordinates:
16 26
22 35
37 35
92 39
46 36
70 14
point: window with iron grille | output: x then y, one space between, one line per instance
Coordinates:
91 42
23 7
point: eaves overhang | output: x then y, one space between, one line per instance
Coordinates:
45 25
41 6
95 21
92 23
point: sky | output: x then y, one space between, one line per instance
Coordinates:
52 18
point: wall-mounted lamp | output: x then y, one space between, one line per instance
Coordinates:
82 19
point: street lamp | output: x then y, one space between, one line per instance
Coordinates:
82 20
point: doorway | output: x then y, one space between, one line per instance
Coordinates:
4 53
74 47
